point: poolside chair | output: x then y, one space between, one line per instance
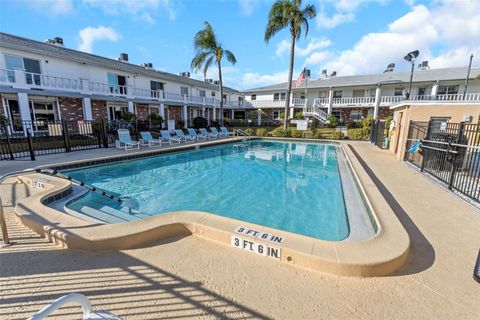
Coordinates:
148 139
215 131
185 137
168 138
208 134
194 134
226 132
125 141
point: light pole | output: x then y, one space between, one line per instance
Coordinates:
410 57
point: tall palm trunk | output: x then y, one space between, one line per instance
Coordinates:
221 92
290 75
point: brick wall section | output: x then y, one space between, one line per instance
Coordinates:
174 112
71 109
269 114
99 109
142 112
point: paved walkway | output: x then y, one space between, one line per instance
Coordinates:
194 278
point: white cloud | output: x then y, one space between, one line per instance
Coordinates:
138 9
445 34
52 7
89 35
343 11
283 47
247 6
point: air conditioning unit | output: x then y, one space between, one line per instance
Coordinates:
390 68
334 73
55 41
216 82
123 57
209 81
147 65
185 74
424 66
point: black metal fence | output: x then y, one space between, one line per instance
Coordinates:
21 139
450 152
378 133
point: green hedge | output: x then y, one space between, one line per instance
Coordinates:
328 133
262 132
358 134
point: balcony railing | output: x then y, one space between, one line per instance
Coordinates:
354 101
172 96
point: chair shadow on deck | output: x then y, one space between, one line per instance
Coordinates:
113 281
422 254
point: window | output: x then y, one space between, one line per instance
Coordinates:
337 94
224 97
253 97
279 96
240 100
323 94
42 113
276 115
450 89
356 115
156 85
117 83
31 67
184 91
422 91
13 113
201 93
373 92
359 93
398 92
213 93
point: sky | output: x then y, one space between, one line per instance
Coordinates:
347 36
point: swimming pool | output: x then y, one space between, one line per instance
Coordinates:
286 185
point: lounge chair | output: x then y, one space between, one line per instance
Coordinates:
168 138
208 134
226 132
125 141
215 131
185 137
148 139
194 134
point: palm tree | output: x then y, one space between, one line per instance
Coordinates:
210 52
283 14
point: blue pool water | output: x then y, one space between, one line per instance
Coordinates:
292 186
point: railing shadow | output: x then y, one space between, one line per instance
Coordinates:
422 254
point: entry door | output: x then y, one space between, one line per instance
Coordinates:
115 112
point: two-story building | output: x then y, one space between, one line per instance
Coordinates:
42 81
350 98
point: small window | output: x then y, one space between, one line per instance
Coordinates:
156 85
253 97
422 91
356 115
282 96
447 89
213 93
323 94
276 96
373 92
240 100
201 93
358 93
184 91
398 92
276 115
224 97
337 94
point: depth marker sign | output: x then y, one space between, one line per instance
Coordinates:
255 247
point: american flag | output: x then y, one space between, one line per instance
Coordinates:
301 77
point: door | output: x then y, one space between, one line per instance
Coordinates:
399 132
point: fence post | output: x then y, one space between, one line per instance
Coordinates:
9 144
425 151
103 132
66 139
30 145
453 171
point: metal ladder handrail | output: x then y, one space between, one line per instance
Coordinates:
53 172
243 133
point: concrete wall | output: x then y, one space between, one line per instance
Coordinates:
455 112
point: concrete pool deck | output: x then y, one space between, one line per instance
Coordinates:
159 282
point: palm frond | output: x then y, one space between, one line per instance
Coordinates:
230 57
208 63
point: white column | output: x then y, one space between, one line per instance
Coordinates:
259 119
203 109
435 90
292 112
130 107
330 101
162 110
214 113
378 91
232 112
20 81
185 115
87 109
24 110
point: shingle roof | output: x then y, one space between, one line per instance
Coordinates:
373 79
29 45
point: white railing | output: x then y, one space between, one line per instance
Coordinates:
268 103
391 99
458 97
7 76
172 96
195 99
324 101
210 101
354 101
108 89
45 81
316 112
298 102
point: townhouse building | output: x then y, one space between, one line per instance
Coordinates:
45 81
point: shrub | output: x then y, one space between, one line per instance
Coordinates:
180 123
337 135
200 122
366 122
128 116
388 120
296 133
358 134
323 133
250 131
282 115
333 122
298 115
3 119
280 132
261 132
